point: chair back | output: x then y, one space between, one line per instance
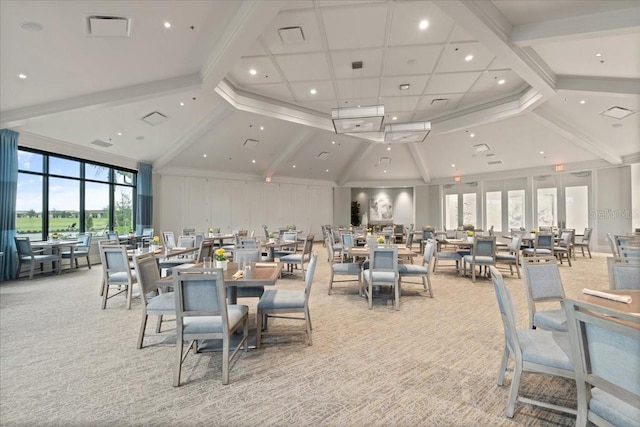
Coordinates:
612 245
289 236
606 354
516 242
507 312
327 244
23 245
147 232
84 241
112 235
246 255
542 279
347 241
188 231
308 278
247 242
628 246
187 241
206 250
567 237
409 239
383 259
169 239
200 292
115 260
484 246
544 241
427 234
148 274
623 274
266 231
429 248
586 236
372 240
308 245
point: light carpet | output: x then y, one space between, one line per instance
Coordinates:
64 361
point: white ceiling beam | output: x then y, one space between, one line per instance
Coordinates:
292 147
363 149
563 128
213 118
608 85
240 33
421 164
621 21
484 21
104 99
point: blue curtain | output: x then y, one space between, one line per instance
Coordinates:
144 213
8 191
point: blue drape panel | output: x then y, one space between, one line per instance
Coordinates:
144 211
8 191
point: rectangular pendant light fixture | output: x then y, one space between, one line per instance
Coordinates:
406 132
358 119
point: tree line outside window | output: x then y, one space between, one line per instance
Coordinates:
68 196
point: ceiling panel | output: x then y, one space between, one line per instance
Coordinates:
324 91
454 58
266 72
391 85
414 60
371 63
489 82
451 82
407 17
304 19
355 27
396 104
358 88
304 67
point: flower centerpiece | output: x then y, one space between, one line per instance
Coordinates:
380 240
155 243
427 227
272 238
534 230
221 260
55 235
469 233
211 232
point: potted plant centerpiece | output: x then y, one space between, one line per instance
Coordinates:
221 260
155 243
380 240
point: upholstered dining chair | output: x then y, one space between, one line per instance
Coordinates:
421 271
584 241
300 258
81 250
483 254
347 243
350 269
512 257
564 249
532 351
202 313
28 256
445 254
382 271
147 236
623 274
543 285
543 245
280 302
613 247
154 302
117 273
247 255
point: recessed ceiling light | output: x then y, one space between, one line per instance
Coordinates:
253 72
182 104
468 58
253 161
501 81
388 148
472 135
167 24
598 55
294 166
542 152
313 91
119 133
394 118
204 155
326 170
453 165
261 127
22 76
405 86
424 24
385 171
333 142
582 102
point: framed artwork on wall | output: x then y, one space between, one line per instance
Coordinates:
380 208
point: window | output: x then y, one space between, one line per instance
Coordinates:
515 208
451 211
577 207
69 196
547 207
469 209
494 210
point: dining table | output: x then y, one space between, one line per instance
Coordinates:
220 238
616 309
272 245
363 252
55 247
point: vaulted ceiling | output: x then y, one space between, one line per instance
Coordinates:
234 82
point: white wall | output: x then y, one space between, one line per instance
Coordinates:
341 206
612 210
635 196
401 200
200 203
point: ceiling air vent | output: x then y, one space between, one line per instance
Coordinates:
154 118
617 113
324 155
385 160
250 143
102 143
540 177
108 26
495 162
582 174
439 102
291 35
479 148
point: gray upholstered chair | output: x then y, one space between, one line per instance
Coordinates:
147 236
169 239
202 313
382 270
612 245
628 246
482 255
512 257
81 250
564 249
347 242
30 257
623 274
543 245
300 258
584 241
116 273
422 271
290 237
543 285
247 255
606 354
351 269
336 247
154 302
533 351
276 302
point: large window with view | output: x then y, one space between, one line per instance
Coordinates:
515 209
451 211
577 207
60 196
494 210
469 209
547 207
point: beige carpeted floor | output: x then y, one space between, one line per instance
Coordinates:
64 361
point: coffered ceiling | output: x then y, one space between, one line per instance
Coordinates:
251 85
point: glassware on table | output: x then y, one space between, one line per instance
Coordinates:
207 262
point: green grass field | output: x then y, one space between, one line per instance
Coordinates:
34 225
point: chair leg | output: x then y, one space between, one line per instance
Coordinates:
518 269
308 321
33 266
176 373
259 329
430 290
88 262
513 391
129 294
503 365
588 250
159 324
105 293
397 293
143 325
225 360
